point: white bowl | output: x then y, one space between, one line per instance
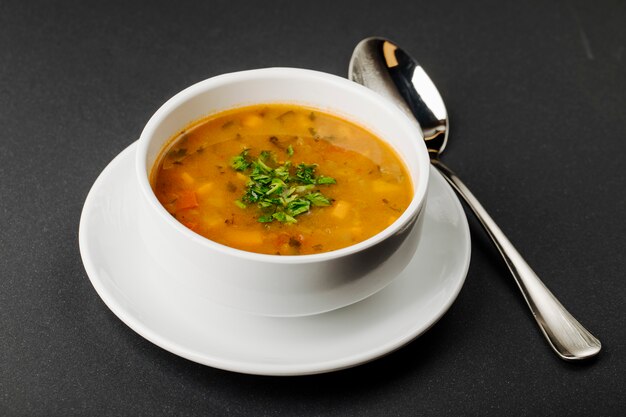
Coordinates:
270 284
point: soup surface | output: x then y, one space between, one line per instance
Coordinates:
281 179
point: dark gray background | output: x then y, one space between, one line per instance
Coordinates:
537 97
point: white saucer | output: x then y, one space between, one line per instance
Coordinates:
137 291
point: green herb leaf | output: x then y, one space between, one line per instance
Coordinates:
301 189
276 186
288 192
318 199
261 167
298 206
326 180
240 162
267 156
266 218
282 171
305 173
284 217
290 151
240 204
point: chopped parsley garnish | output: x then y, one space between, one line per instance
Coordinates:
325 180
240 162
318 199
280 190
306 173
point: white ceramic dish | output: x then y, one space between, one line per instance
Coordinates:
282 285
142 295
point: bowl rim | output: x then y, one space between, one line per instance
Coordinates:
201 87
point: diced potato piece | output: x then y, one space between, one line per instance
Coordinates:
384 187
215 202
341 209
343 237
244 238
252 120
213 220
187 179
205 189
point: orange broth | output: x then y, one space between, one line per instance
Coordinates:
194 180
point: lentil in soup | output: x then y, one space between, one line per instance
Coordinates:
281 179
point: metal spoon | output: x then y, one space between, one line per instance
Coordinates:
385 68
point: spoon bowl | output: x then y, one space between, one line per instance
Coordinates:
381 66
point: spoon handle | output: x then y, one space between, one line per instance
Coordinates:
569 339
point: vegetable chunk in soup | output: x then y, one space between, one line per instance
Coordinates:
281 179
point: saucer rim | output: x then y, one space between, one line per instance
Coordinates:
273 369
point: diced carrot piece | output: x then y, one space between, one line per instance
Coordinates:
282 238
186 200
